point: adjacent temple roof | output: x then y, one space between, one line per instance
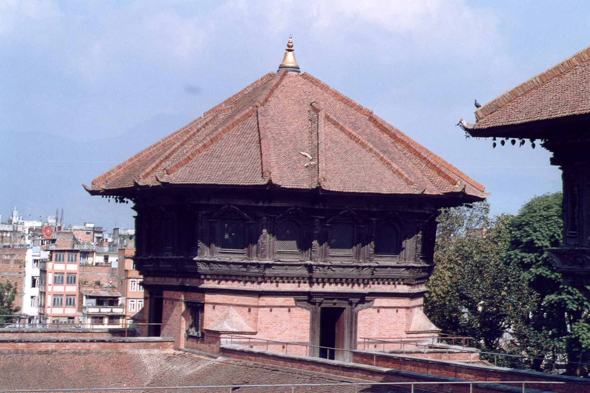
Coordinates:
563 90
291 130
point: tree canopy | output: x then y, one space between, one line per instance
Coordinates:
494 281
7 296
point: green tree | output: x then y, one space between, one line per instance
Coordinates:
7 296
552 324
470 286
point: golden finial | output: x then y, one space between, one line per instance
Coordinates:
289 62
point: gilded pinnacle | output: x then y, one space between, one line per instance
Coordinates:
289 62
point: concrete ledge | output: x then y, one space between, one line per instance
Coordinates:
362 371
84 343
465 371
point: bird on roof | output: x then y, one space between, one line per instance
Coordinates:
477 104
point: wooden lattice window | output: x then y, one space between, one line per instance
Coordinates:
387 239
341 239
232 235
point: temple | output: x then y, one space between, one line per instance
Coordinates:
553 109
287 212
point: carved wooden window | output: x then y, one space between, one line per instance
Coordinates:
288 240
341 239
232 235
168 235
387 239
196 312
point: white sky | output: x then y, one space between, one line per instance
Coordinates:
95 69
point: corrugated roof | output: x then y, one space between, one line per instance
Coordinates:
295 132
97 293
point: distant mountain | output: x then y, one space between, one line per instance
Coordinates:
40 172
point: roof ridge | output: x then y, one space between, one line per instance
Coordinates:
336 94
152 168
241 93
137 156
423 154
366 145
209 140
540 79
274 87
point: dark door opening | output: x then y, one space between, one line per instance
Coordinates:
331 332
156 305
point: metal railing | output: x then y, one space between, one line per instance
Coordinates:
269 345
125 328
294 386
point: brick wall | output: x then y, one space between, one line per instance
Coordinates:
94 344
12 268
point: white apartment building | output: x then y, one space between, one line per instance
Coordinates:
30 306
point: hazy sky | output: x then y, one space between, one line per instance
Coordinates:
88 70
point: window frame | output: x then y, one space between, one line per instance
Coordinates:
59 303
70 301
59 257
196 317
70 275
382 257
56 281
289 255
72 257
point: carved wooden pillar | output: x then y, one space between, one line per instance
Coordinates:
572 259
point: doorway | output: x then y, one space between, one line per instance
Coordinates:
155 315
332 332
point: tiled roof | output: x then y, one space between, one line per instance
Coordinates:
293 131
563 90
110 369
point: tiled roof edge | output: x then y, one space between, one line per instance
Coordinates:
211 140
431 159
367 146
336 94
398 135
241 93
152 168
538 80
136 157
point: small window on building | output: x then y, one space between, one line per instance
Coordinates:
106 259
133 284
35 263
196 313
71 279
233 235
97 320
288 237
132 305
139 304
341 239
34 301
140 285
58 301
70 301
83 257
72 257
35 282
59 257
114 320
387 241
58 278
